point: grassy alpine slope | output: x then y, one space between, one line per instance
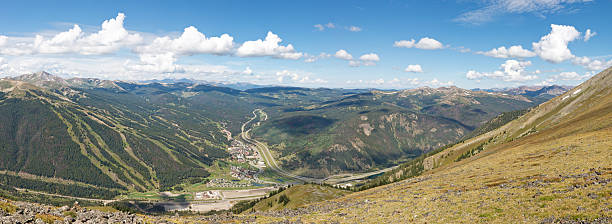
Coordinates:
378 129
115 136
553 164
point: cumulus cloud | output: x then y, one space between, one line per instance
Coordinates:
313 58
156 63
354 63
268 47
566 76
592 64
510 71
414 68
160 55
286 76
572 76
425 43
435 82
587 35
343 54
354 28
370 57
553 46
109 39
512 52
494 8
190 42
3 40
247 71
365 59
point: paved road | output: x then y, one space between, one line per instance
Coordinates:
264 151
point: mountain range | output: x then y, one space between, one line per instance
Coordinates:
119 136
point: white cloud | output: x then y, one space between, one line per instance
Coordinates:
313 58
190 42
322 27
247 71
3 66
494 8
3 40
354 63
398 83
161 55
511 71
588 34
365 59
286 76
370 57
425 43
512 52
566 76
462 49
109 39
354 28
268 47
156 63
553 46
343 54
435 82
414 68
592 64
572 76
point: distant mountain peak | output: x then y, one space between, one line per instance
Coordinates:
42 79
38 76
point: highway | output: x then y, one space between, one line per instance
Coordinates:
265 153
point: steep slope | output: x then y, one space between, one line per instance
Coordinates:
101 139
553 164
377 129
298 196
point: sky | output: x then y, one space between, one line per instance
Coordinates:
337 44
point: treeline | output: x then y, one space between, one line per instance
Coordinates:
496 122
473 151
415 167
56 188
409 169
246 205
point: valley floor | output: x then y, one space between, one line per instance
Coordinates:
536 181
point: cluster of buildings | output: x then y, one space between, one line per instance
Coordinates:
244 174
207 195
242 152
222 182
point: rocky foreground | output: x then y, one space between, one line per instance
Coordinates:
24 212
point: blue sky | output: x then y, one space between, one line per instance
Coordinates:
392 44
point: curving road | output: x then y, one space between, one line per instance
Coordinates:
265 153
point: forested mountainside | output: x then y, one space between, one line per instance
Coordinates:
117 136
379 128
551 165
